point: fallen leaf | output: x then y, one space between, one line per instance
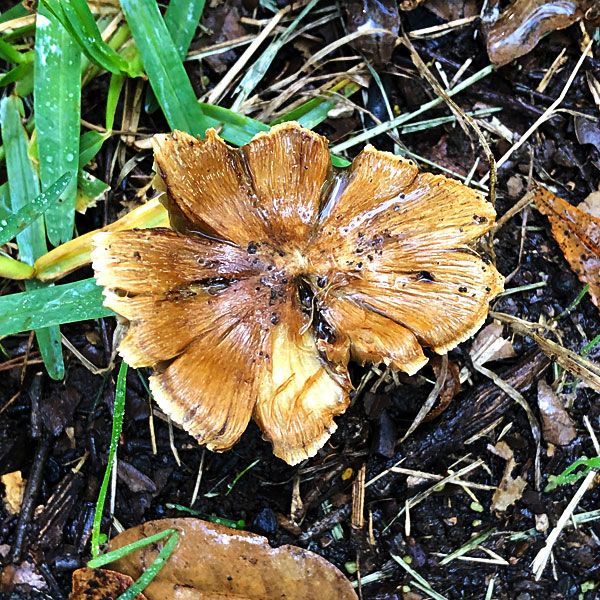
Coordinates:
450 387
587 131
100 584
212 561
519 28
509 490
489 345
591 205
577 234
557 425
14 484
27 574
501 449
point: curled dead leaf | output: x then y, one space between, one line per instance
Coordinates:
14 485
280 270
212 561
557 426
100 584
510 489
520 26
577 234
489 345
449 389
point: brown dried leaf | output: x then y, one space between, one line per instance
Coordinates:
577 234
591 205
558 427
212 561
520 27
14 484
100 584
489 345
509 490
450 387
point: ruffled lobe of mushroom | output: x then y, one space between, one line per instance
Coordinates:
400 239
372 337
300 394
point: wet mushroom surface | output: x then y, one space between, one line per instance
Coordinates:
282 268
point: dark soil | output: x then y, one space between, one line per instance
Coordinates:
52 427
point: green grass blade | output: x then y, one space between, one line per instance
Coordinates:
113 555
52 305
138 586
316 110
117 425
23 182
89 145
23 185
14 13
17 73
78 20
27 214
181 18
237 129
5 211
164 67
10 54
57 104
90 189
15 269
114 91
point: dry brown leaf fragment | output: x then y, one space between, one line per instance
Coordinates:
212 561
557 426
14 485
520 26
578 235
510 489
280 269
100 584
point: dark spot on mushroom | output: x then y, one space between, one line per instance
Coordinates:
479 219
274 318
462 289
137 255
359 265
324 330
252 248
322 282
425 276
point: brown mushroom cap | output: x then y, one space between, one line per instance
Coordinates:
279 270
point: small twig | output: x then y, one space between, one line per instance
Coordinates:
32 488
539 562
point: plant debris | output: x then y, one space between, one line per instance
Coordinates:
518 29
213 561
557 426
282 268
577 234
100 584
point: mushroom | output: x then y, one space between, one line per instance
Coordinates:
279 270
